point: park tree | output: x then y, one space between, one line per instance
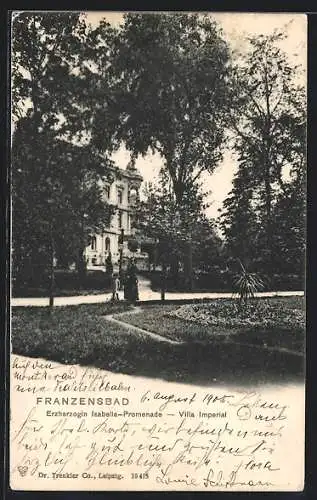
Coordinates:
207 249
57 202
160 219
239 219
267 117
45 61
289 226
171 73
57 191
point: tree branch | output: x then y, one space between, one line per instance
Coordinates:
245 137
200 171
260 110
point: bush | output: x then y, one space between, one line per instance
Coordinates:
216 281
287 282
98 280
65 281
223 281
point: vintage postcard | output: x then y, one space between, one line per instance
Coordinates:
158 180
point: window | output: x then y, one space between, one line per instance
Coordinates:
93 244
107 191
120 218
107 244
133 196
120 196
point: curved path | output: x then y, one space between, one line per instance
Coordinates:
144 297
137 329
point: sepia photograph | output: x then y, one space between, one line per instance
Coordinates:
158 241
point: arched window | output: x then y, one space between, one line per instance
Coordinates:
120 196
93 244
107 244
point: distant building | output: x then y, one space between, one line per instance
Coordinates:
121 191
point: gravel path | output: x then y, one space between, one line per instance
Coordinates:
144 294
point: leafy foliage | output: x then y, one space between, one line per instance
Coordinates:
133 244
171 73
172 228
56 191
45 54
269 138
166 83
239 219
57 185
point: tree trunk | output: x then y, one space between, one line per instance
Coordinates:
81 266
155 256
267 166
189 265
175 271
52 271
163 280
268 216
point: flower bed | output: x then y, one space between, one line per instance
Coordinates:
258 313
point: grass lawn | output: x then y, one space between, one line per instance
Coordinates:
274 322
82 335
72 334
159 319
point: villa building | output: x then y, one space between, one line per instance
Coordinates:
121 191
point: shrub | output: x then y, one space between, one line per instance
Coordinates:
247 284
65 281
133 245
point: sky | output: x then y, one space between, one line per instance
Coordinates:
236 28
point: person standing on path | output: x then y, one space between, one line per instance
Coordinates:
131 292
115 287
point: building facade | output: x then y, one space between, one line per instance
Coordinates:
122 192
